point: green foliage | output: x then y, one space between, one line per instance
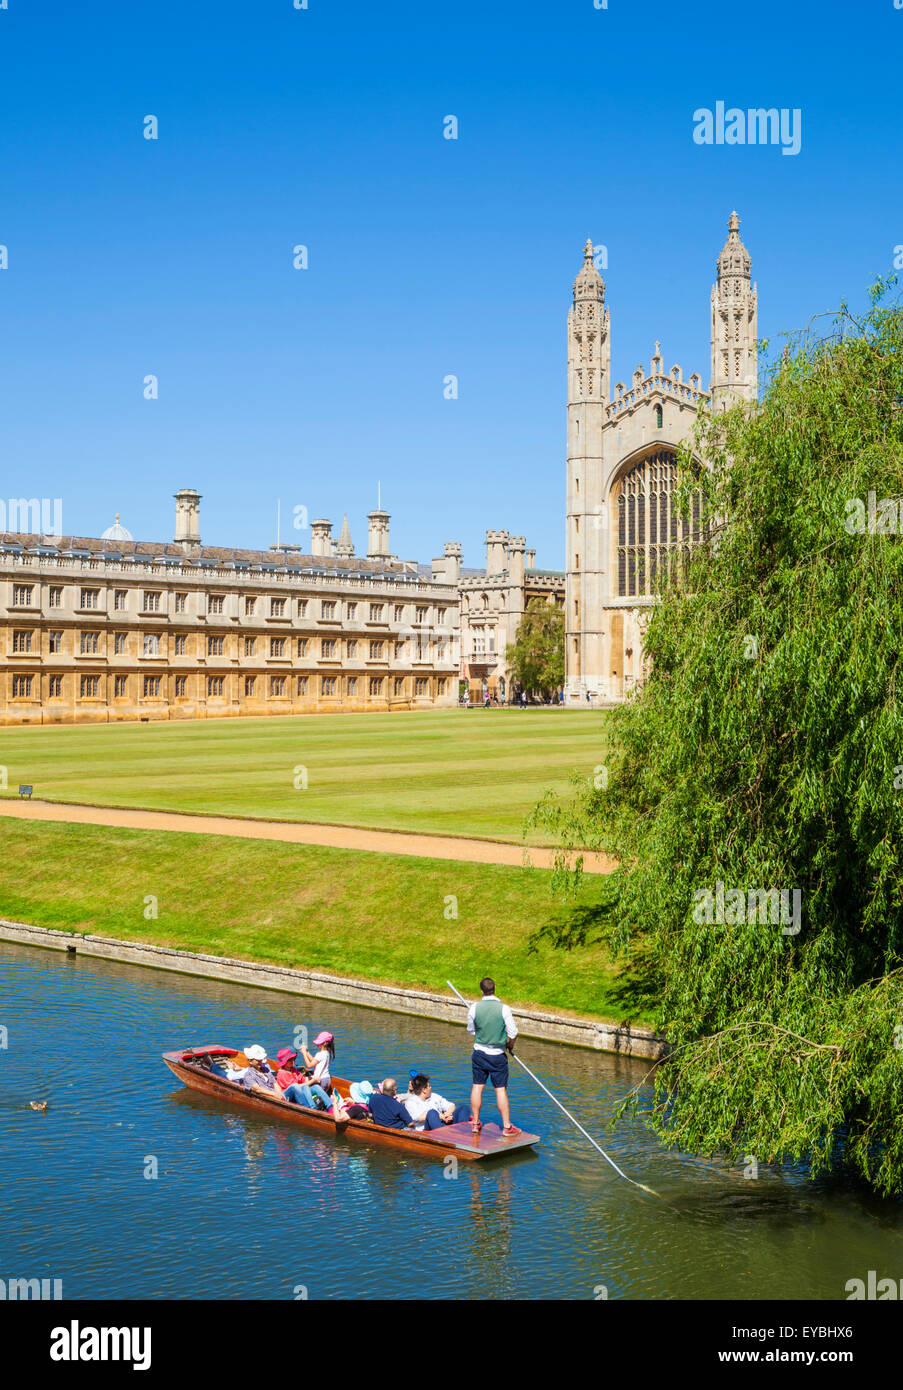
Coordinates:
766 751
536 656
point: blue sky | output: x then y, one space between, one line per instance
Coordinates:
427 257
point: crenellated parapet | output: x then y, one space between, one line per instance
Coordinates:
671 385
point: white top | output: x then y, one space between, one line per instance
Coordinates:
418 1107
510 1027
321 1068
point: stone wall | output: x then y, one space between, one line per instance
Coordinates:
532 1023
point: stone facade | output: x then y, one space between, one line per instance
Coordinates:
492 605
108 629
622 530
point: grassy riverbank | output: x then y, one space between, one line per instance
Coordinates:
346 912
447 772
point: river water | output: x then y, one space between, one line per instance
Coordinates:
245 1208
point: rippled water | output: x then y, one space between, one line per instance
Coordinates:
243 1207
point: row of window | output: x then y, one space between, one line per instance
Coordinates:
90 598
89 686
89 644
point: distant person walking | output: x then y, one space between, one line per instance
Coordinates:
494 1031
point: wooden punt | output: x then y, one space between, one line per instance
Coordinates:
458 1140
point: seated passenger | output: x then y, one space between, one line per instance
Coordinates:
287 1073
296 1088
429 1110
358 1107
387 1109
259 1076
414 1072
232 1067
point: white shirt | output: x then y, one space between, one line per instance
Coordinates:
510 1027
418 1107
321 1068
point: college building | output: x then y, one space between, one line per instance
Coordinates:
109 629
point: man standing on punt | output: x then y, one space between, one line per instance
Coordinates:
494 1030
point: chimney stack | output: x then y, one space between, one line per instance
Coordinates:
378 543
188 517
321 537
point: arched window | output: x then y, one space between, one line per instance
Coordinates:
651 533
658 417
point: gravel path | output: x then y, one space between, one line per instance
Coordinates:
300 833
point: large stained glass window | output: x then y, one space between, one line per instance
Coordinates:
652 537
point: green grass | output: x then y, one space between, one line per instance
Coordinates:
344 912
452 772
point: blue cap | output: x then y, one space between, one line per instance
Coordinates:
415 1071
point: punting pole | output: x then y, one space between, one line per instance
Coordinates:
573 1120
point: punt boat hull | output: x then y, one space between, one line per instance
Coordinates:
457 1140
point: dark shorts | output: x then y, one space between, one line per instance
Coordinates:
492 1069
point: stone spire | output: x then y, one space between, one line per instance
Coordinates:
588 346
734 305
344 545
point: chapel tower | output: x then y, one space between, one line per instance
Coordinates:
589 393
734 300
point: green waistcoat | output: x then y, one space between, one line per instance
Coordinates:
489 1025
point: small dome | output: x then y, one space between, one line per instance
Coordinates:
116 532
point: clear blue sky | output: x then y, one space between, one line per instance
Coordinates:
427 256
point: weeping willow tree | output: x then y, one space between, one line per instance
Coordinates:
754 797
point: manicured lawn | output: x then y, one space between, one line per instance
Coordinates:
345 912
454 772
